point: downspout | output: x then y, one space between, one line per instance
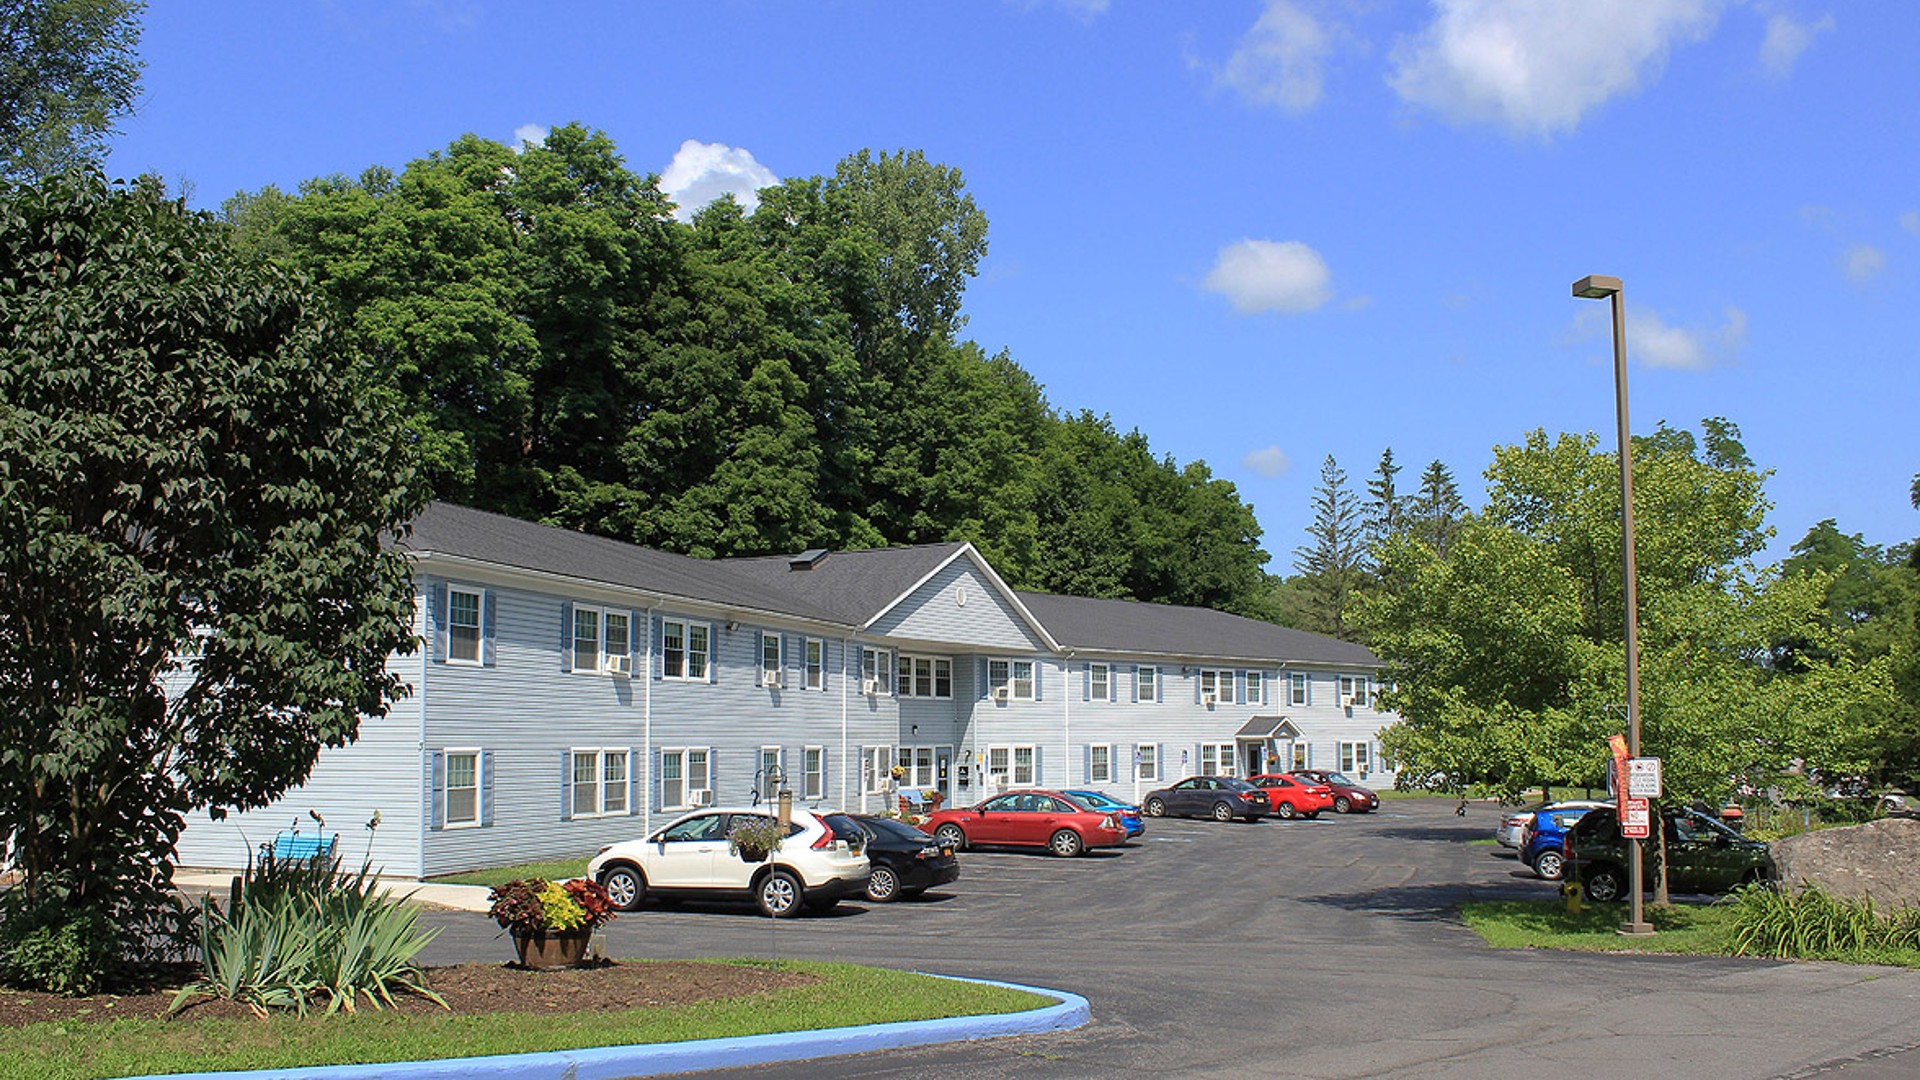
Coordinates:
846 788
426 771
646 733
1066 719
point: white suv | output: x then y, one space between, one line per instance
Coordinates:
814 867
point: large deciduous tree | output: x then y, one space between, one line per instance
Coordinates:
199 483
67 71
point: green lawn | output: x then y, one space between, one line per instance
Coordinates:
1704 930
846 995
500 875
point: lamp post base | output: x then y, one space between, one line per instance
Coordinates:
1636 929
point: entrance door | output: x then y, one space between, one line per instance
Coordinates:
943 771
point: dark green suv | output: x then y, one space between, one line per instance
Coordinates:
1703 856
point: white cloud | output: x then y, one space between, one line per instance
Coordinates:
1537 68
1786 39
1910 221
702 172
1655 343
529 135
1271 275
1280 61
1269 462
1863 263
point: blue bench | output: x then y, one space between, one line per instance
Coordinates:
289 846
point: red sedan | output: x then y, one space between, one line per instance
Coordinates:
1293 796
1028 819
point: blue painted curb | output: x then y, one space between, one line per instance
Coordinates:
659 1059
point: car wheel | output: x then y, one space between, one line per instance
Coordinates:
779 895
951 835
1604 884
1222 812
1066 843
1155 808
625 886
882 885
1550 865
1343 805
1284 811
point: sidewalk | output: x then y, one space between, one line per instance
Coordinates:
457 897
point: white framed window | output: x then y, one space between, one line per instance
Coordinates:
685 772
771 672
1011 679
816 662
600 635
1023 762
813 783
599 782
923 676
873 671
1100 682
1301 690
686 651
878 768
773 766
917 761
1099 764
1147 683
1356 757
1146 762
586 638
1256 689
1218 683
1216 759
462 806
999 766
463 626
1302 759
1354 691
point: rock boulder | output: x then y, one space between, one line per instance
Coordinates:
1880 859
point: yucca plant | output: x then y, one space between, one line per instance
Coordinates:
1811 922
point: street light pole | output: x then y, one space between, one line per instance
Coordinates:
1593 287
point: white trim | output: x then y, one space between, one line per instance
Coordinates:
446 789
479 595
601 784
687 789
980 563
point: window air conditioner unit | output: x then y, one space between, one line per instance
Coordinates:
1209 700
769 678
870 687
1001 693
701 796
619 665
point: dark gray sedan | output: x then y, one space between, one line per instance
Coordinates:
1221 798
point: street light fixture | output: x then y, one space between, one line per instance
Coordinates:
1594 287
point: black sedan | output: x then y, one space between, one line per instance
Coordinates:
1221 798
906 861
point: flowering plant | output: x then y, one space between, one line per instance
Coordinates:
755 833
541 906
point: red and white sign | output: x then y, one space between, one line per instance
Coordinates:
1636 822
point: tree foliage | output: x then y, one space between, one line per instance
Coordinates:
197 479
1333 567
569 352
68 70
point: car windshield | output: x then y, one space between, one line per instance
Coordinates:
1093 800
1340 778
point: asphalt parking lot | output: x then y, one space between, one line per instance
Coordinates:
1323 949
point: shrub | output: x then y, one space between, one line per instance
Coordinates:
1813 923
51 948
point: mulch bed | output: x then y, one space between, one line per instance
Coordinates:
470 989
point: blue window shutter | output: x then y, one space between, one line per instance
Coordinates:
1196 758
713 654
1086 681
653 781
1196 686
636 642
1086 768
713 774
566 636
1240 687
635 790
656 647
986 678
1133 676
486 787
437 618
566 779
1039 770
489 600
437 790
1039 668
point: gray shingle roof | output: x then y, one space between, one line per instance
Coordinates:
443 528
1132 626
854 585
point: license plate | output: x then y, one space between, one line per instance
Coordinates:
946 852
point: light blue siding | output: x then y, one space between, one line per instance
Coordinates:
959 605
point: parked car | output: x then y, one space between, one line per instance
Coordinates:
1293 796
906 861
1543 837
1512 832
1221 798
815 867
1348 797
1101 802
1703 856
1045 819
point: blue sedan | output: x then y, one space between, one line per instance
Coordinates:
1540 845
1128 814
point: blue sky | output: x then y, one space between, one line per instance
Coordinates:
1261 233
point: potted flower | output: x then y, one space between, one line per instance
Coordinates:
551 921
754 836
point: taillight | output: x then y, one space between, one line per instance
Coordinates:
826 838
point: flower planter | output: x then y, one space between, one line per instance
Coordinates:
752 855
542 949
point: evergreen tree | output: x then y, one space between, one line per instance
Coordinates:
1437 509
1334 564
1385 512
